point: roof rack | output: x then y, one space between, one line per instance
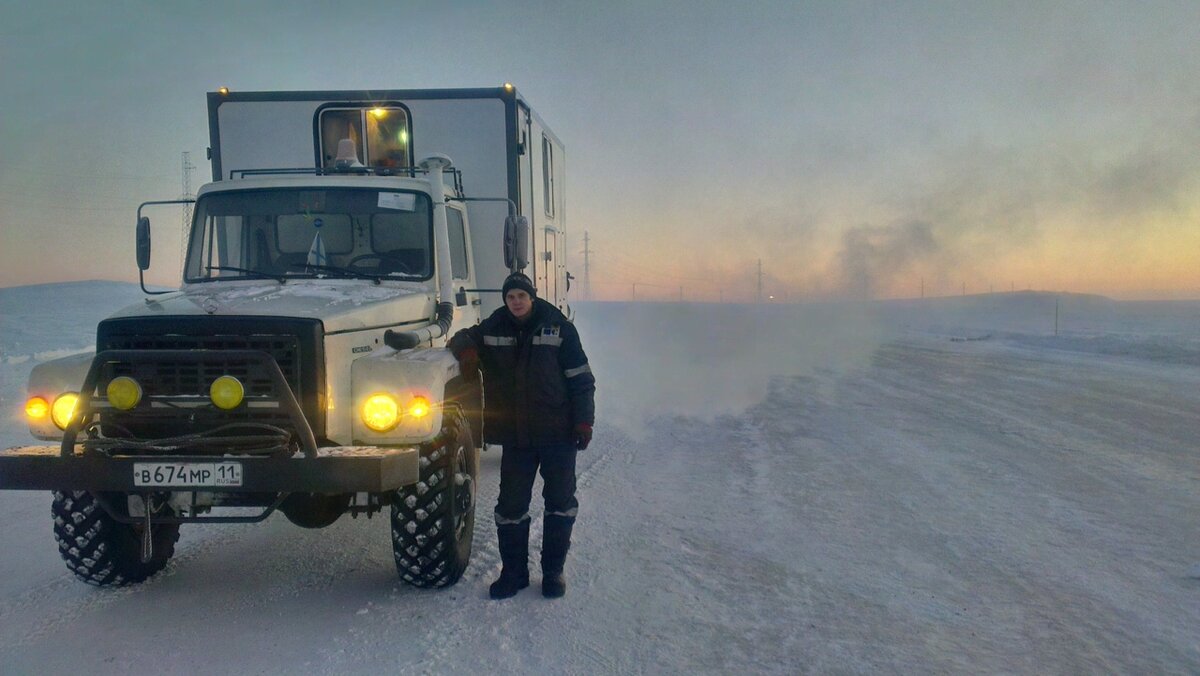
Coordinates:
410 172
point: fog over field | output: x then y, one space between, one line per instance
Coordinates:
908 486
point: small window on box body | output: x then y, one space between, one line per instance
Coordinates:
379 136
548 175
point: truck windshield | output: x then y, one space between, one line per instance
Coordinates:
282 233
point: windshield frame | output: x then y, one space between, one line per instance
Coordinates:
362 233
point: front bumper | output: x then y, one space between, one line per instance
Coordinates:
341 469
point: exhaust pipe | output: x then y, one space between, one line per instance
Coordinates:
405 340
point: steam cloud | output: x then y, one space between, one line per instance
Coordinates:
871 255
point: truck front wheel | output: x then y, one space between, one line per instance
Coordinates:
433 521
101 550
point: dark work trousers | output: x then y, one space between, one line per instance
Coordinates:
518 469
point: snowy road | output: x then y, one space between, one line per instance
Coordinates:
936 506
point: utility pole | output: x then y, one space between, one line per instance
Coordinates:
187 167
587 279
758 293
633 294
681 294
922 287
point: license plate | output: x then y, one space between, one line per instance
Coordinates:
187 474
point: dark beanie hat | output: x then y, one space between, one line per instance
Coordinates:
518 280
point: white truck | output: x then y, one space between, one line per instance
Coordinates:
298 365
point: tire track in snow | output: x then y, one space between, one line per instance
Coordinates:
62 603
72 598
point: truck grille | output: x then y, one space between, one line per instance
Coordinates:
296 345
177 378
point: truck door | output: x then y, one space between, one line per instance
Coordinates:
466 304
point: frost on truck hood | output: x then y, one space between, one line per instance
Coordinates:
340 304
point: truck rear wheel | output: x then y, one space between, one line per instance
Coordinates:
433 521
101 550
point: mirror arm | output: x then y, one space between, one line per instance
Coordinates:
517 263
512 206
141 270
148 292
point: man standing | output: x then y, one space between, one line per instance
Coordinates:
539 394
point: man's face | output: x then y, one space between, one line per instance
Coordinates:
519 303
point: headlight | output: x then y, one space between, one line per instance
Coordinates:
380 412
64 409
37 408
124 392
226 392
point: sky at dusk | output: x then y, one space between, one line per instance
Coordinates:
859 150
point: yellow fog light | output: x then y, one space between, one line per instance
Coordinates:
227 392
380 412
418 407
37 408
64 409
124 392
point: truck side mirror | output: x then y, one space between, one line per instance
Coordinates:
143 243
516 242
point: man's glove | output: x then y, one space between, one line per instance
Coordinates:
583 436
468 362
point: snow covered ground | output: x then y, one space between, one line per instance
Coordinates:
905 486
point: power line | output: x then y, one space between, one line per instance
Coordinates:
91 177
627 269
56 207
661 275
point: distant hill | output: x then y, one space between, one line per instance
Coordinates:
62 313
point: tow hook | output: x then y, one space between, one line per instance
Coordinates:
147 538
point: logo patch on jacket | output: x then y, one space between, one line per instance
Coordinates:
550 330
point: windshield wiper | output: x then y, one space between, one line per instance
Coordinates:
334 268
257 273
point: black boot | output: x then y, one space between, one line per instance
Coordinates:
554 585
513 540
556 540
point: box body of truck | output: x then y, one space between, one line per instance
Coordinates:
498 143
